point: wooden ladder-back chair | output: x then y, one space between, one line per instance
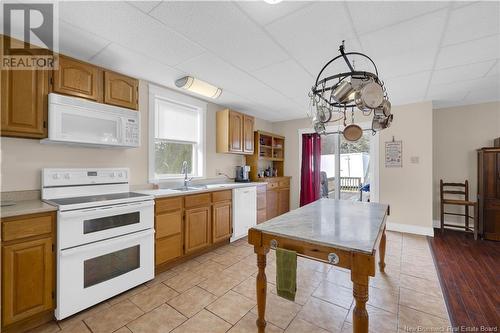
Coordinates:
458 190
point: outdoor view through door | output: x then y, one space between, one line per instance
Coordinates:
347 174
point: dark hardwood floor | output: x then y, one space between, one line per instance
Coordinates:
469 272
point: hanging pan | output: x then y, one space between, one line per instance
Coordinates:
352 132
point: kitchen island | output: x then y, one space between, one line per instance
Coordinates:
343 233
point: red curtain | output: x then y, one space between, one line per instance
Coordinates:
310 175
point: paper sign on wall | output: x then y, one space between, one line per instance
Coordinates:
394 154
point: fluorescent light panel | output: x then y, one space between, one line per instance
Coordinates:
198 86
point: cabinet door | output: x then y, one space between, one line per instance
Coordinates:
168 236
78 79
120 90
197 229
235 132
168 248
27 270
271 204
222 226
248 123
283 200
24 103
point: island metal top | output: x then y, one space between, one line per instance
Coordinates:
348 225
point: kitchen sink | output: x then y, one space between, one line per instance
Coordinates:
190 188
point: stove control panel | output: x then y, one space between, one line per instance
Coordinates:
75 177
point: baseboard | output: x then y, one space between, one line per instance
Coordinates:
410 229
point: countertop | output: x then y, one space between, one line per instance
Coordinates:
165 193
24 207
348 225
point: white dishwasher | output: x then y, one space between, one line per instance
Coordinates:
244 211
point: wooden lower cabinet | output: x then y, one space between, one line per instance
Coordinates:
271 203
222 226
28 272
168 231
277 197
197 229
283 200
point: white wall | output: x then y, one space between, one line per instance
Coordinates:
458 132
22 159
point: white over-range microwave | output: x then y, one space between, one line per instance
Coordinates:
78 121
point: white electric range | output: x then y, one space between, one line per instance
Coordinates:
105 235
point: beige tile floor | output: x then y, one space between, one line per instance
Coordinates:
216 293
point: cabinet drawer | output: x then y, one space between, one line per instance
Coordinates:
162 205
272 185
261 189
168 224
168 248
26 227
222 196
284 183
197 200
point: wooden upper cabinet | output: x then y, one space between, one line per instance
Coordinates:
197 233
234 132
120 90
77 78
248 124
27 279
24 103
222 226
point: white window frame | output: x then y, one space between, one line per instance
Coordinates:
374 158
200 157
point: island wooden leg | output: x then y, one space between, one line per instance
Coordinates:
360 292
381 248
261 289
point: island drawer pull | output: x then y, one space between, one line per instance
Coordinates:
274 244
333 258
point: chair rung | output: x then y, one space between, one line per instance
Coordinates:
454 184
456 214
455 192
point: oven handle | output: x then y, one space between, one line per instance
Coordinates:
140 204
106 243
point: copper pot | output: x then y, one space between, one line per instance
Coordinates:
353 132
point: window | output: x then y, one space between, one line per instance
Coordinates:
176 134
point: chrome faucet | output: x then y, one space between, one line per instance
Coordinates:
185 172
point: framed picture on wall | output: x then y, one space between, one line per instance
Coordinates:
394 154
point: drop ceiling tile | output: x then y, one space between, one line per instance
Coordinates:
129 27
312 35
469 52
485 90
407 89
369 16
79 43
404 63
419 33
465 72
145 6
137 65
265 13
477 89
288 78
495 70
224 29
472 22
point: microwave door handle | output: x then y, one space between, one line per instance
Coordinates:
127 239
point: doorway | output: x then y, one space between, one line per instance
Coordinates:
349 169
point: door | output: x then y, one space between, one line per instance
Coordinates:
197 233
222 227
283 200
235 132
79 79
27 269
92 273
24 103
248 141
120 90
272 203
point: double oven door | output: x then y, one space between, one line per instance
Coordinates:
102 252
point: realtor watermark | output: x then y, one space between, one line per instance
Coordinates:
450 328
30 36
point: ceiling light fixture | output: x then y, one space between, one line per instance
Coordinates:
273 2
332 96
198 86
